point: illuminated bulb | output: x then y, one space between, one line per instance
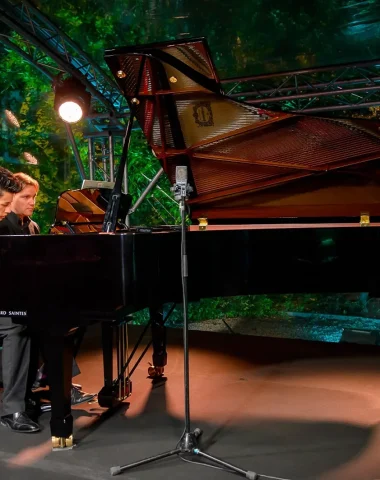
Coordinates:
11 117
70 112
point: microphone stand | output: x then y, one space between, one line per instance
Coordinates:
188 443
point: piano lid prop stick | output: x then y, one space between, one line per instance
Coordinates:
110 218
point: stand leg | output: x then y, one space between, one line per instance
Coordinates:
187 444
229 466
117 470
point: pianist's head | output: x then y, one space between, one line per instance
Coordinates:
24 202
9 185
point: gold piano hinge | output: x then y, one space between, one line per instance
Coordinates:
364 219
202 223
59 443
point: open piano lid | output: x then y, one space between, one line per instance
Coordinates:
82 211
245 162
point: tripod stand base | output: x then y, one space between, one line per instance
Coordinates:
187 444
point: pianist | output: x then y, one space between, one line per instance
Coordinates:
8 187
18 222
16 343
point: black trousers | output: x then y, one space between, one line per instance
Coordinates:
15 365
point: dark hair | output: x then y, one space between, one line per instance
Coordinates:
8 183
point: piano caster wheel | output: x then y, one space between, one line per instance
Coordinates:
155 372
61 443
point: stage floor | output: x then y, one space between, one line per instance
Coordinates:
285 408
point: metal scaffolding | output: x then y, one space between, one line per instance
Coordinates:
351 86
102 154
49 49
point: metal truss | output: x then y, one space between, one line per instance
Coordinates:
51 51
334 88
102 154
325 89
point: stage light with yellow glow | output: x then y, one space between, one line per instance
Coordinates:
12 119
72 101
70 112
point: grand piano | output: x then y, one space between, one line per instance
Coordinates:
281 203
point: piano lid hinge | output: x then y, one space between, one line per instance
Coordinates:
365 219
202 223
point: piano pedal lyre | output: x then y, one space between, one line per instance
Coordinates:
62 443
124 383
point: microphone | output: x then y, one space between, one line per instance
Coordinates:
181 188
181 175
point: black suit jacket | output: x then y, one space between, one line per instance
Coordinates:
11 225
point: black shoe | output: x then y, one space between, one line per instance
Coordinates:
32 407
20 422
35 409
78 397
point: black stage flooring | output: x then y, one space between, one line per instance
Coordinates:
283 408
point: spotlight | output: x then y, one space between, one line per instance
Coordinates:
12 119
72 101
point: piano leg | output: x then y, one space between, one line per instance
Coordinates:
108 395
159 342
59 360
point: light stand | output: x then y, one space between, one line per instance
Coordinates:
188 443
